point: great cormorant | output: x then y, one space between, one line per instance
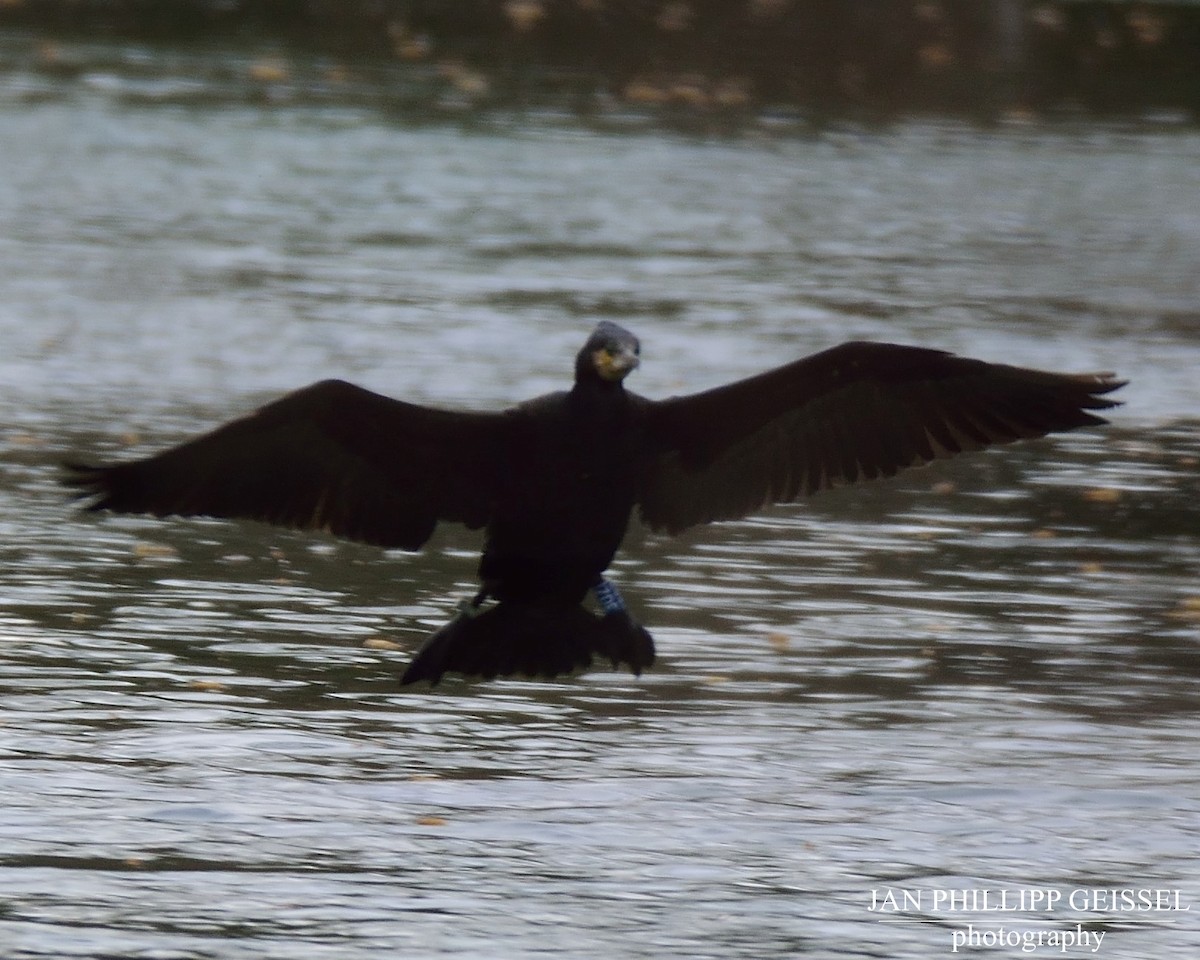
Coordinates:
554 481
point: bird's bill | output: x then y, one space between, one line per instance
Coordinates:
614 364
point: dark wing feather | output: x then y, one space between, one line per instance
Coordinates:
855 412
331 456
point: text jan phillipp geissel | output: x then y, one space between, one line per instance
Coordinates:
1029 918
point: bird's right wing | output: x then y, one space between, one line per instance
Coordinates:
331 456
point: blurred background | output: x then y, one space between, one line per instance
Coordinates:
696 62
984 675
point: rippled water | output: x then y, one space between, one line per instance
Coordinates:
982 676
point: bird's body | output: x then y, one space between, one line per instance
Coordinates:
554 481
539 540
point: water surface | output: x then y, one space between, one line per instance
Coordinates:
980 676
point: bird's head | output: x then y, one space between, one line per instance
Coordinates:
611 353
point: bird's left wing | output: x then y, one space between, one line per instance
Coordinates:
331 456
855 412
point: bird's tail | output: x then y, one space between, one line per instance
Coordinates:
543 638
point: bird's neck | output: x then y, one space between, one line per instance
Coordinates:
592 395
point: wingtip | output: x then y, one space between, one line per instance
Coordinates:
1105 381
1096 388
72 473
86 481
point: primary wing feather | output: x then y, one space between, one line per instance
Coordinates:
855 412
331 456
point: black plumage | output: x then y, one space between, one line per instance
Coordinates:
555 480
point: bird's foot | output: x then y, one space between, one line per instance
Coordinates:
469 608
626 641
474 606
608 596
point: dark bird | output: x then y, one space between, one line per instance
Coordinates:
554 481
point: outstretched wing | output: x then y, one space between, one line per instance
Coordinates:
855 412
331 456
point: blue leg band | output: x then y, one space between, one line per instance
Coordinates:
608 596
